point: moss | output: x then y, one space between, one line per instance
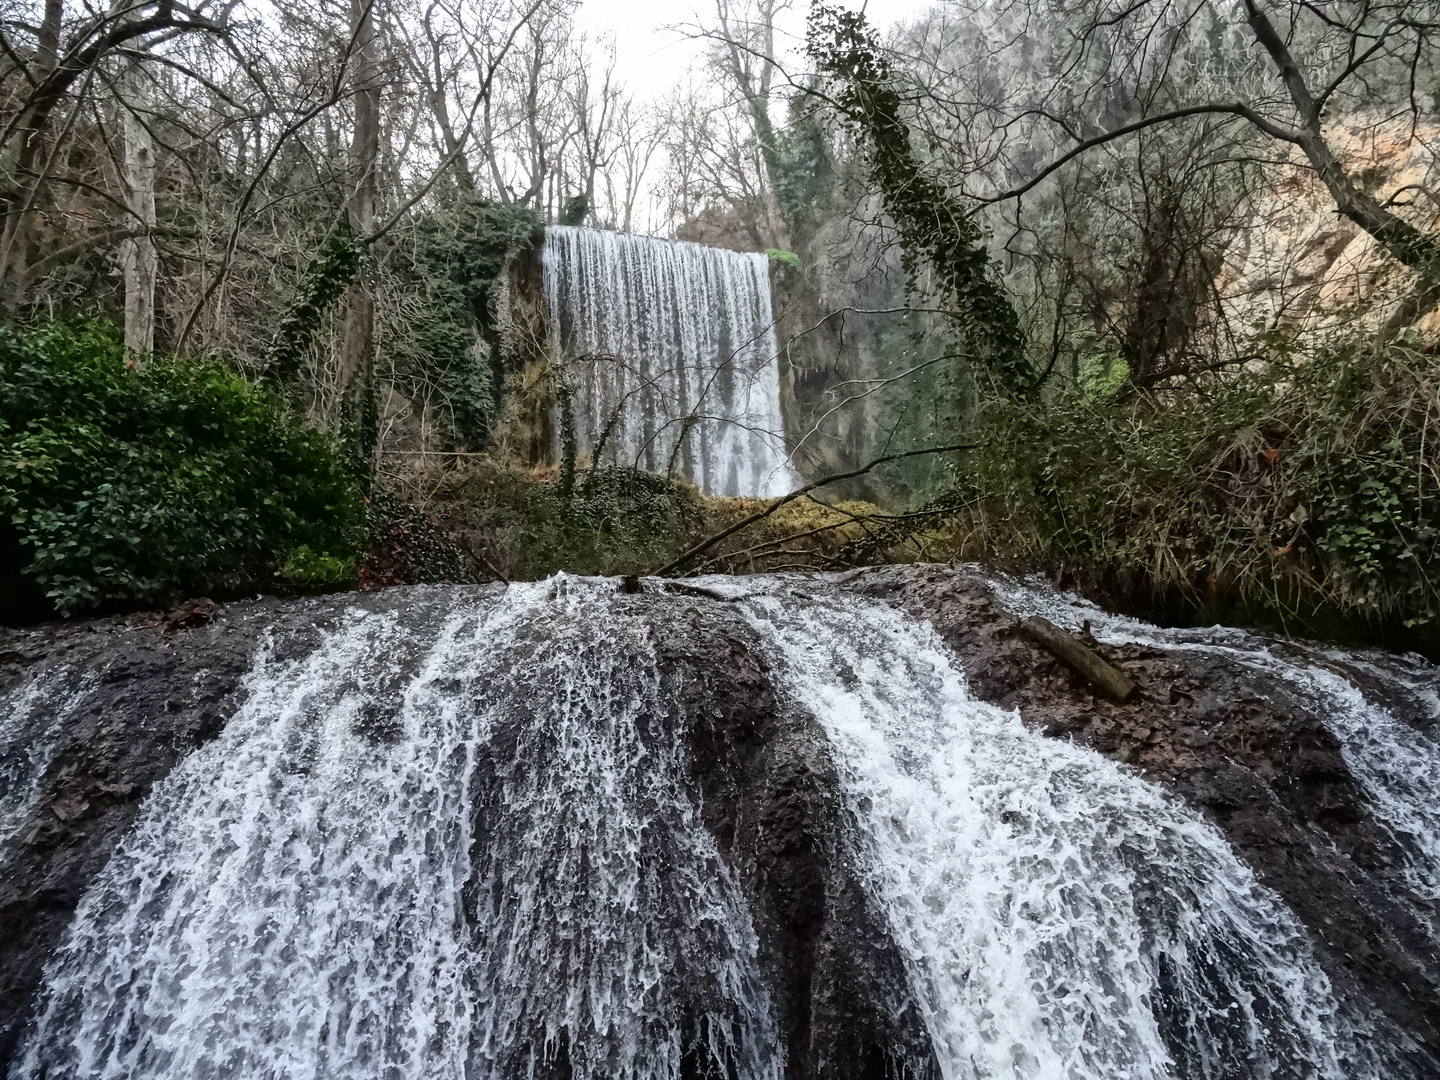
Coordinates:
622 521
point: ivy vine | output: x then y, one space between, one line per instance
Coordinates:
932 223
334 267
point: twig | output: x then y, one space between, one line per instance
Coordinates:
480 560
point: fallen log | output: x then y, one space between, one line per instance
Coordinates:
1110 681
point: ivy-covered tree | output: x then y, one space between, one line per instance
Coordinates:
934 227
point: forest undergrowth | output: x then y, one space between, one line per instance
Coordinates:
1299 493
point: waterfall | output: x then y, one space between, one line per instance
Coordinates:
34 718
1398 765
459 834
1060 917
672 358
450 845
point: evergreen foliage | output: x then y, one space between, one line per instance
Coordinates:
122 486
334 268
1304 491
460 255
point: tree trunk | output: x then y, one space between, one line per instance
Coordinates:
138 256
357 360
18 161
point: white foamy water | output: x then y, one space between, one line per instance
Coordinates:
33 719
449 844
1059 916
458 840
672 354
1396 764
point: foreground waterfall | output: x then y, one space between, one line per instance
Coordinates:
459 833
451 845
672 355
977 835
1399 765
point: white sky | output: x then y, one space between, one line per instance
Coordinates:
653 54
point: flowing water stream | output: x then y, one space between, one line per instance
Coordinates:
672 357
460 839
451 844
1398 763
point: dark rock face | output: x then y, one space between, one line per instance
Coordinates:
769 794
1238 746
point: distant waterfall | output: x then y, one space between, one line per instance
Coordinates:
672 352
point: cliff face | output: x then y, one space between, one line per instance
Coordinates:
125 699
1298 264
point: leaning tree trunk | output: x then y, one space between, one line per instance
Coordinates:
357 361
138 257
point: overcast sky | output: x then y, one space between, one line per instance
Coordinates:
653 52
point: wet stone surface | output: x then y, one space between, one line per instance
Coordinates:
1237 744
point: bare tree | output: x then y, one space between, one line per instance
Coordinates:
1045 84
139 258
53 69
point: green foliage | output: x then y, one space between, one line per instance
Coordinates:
332 271
805 173
123 486
1102 375
932 223
460 255
311 569
1307 487
788 258
611 521
577 209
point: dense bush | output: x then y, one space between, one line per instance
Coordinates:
1305 489
123 486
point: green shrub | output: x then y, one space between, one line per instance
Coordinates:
312 569
1303 490
123 487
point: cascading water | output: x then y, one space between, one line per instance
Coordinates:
671 351
1398 765
451 845
1059 916
461 837
29 738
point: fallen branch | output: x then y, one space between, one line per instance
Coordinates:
481 561
759 515
1110 681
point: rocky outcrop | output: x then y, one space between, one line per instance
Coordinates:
768 790
1236 744
1297 263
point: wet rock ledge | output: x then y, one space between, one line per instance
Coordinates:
1238 746
1231 742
